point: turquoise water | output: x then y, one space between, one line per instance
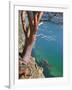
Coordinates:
49 46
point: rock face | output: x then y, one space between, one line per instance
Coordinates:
30 70
55 17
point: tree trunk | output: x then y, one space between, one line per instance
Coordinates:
29 42
33 28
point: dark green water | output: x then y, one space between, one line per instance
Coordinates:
49 46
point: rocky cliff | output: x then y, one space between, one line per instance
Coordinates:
30 70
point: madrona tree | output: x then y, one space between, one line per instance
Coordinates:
30 29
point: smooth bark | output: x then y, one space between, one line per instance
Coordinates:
33 18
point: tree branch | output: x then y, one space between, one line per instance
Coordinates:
35 23
40 14
30 19
23 22
37 17
34 18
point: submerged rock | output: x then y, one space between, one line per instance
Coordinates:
30 70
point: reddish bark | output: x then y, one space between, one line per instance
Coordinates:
33 27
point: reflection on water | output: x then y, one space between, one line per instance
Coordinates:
49 37
49 46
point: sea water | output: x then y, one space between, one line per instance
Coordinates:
49 46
